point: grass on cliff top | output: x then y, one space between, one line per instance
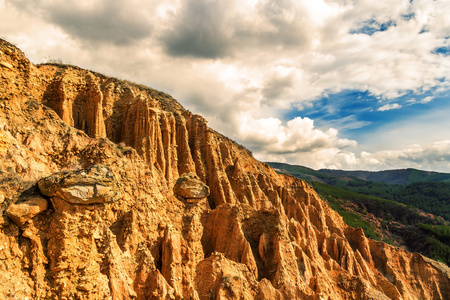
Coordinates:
167 101
60 64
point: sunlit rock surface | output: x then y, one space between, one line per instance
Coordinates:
257 235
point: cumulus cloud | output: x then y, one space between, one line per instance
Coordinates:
215 29
276 24
278 85
199 30
389 106
269 137
435 156
109 21
421 101
101 21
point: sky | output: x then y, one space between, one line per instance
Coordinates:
355 85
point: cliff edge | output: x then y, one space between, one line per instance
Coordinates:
88 166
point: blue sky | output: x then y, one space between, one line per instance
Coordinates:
325 83
357 114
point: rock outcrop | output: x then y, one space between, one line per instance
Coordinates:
97 184
79 137
22 212
190 188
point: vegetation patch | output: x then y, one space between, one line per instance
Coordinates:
407 215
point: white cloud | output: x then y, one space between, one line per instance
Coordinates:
425 100
101 21
435 156
248 62
389 106
299 35
421 101
297 141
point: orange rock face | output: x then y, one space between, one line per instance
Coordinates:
22 212
258 235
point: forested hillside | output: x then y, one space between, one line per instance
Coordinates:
414 216
432 196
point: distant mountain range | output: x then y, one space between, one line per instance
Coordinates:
400 176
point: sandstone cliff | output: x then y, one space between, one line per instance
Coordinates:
88 166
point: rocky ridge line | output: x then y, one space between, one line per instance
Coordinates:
257 235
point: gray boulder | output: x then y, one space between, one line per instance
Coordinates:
191 188
97 184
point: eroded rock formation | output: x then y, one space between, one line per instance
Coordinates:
258 235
